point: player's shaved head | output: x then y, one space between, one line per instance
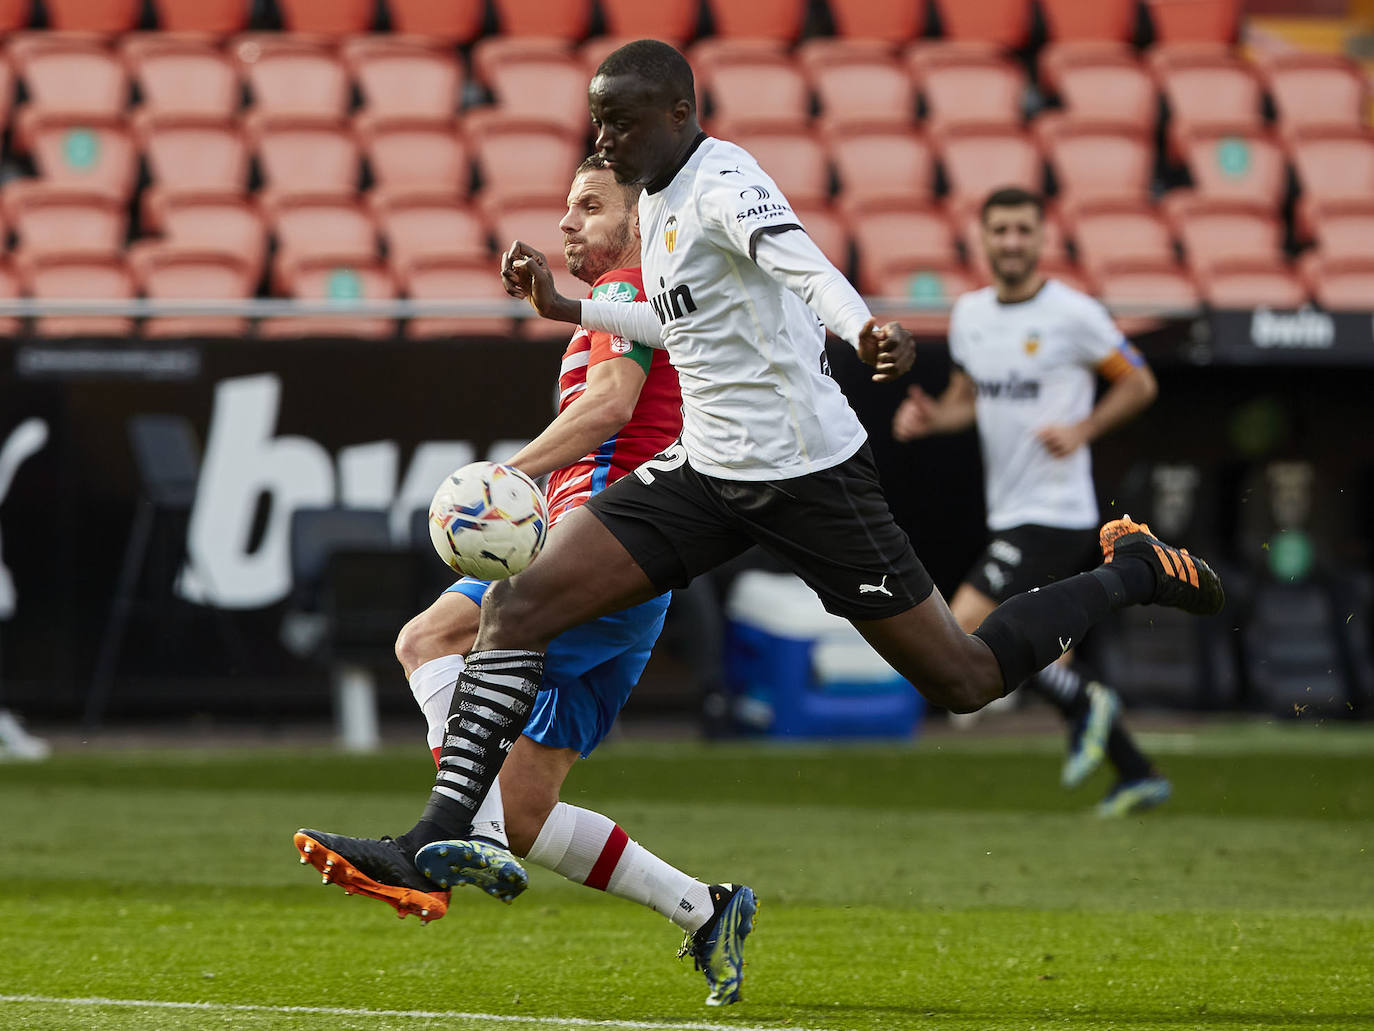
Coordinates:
665 73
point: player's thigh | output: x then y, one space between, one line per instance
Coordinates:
970 607
447 627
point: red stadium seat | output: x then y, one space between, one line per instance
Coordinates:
1091 160
879 163
520 158
549 86
756 89
561 19
184 77
923 294
977 161
1110 231
415 155
453 21
1252 283
47 218
417 227
893 234
215 222
192 155
979 91
66 76
168 272
327 17
306 226
6 92
1126 284
1195 21
91 153
795 160
1216 232
673 21
335 278
14 14
105 17
55 275
536 223
758 19
1344 284
402 77
1005 23
1236 164
294 78
304 155
860 89
1334 165
1055 57
1108 89
1208 92
441 278
1316 91
828 231
1344 230
895 22
212 17
1106 20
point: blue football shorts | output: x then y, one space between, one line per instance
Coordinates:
589 671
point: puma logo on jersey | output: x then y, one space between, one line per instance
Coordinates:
878 588
672 302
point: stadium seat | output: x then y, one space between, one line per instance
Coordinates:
69 77
9 291
47 218
1108 89
326 277
1316 90
415 155
327 17
15 14
6 93
921 295
168 272
294 78
1099 20
881 163
536 223
453 21
88 152
1195 21
1055 57
561 19
759 19
1005 23
306 226
1252 283
520 157
215 222
1236 163
1092 160
1215 232
105 17
55 275
191 155
1135 283
1205 92
977 161
1108 231
859 88
752 90
1344 230
211 17
978 91
895 234
548 86
829 232
894 22
1343 284
416 226
673 21
441 278
1332 166
795 160
401 77
184 77
304 155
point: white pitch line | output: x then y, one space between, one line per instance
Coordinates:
341 1011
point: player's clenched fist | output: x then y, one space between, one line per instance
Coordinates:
890 349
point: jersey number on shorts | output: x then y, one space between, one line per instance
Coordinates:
672 457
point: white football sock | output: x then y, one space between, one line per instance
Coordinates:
591 849
490 820
433 684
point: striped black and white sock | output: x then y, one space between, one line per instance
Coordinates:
1063 687
495 694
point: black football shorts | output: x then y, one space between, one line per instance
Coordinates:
1023 557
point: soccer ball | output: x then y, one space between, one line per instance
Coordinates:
488 520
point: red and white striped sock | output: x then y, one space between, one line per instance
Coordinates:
591 849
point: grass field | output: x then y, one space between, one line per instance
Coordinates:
948 886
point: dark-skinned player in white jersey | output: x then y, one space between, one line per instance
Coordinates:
771 454
1027 353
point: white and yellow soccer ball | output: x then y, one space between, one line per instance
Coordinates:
488 520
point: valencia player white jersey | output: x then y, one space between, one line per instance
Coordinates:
758 400
1035 363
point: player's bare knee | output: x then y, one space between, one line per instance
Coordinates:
431 635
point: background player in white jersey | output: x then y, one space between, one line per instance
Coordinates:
1027 352
771 454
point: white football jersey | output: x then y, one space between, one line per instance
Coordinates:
759 403
1035 363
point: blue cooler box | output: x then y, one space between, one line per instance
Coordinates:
795 670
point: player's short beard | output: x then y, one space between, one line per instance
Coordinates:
591 265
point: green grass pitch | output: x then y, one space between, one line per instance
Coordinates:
951 885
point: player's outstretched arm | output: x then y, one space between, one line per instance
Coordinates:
525 274
920 415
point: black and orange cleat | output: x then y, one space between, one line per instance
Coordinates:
1182 581
377 868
